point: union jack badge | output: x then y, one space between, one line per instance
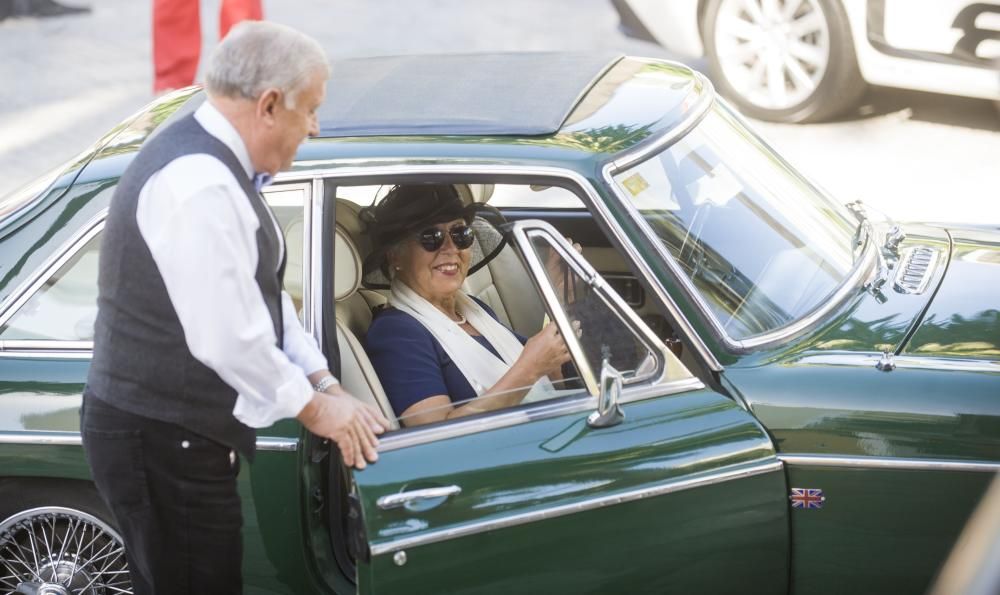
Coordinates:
807 498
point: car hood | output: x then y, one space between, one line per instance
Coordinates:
963 316
950 307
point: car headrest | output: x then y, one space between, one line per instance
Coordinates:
293 262
347 267
478 193
348 247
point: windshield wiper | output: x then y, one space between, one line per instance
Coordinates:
866 232
893 238
857 208
863 230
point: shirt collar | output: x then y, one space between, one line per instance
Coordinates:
212 120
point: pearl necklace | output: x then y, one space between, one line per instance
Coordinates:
461 319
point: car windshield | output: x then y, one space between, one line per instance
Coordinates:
761 246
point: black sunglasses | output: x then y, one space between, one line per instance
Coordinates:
432 238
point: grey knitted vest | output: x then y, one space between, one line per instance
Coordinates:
141 362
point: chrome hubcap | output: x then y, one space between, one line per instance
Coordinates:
61 551
772 52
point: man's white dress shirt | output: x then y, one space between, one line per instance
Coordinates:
201 230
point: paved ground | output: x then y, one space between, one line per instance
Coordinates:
63 82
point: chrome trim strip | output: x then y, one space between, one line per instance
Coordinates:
889 463
735 472
312 252
42 438
276 444
646 391
43 345
52 264
913 362
56 354
272 444
863 269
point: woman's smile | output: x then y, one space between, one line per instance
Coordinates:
449 268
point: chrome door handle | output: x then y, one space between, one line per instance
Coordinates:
404 498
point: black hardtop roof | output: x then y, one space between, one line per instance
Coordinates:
519 94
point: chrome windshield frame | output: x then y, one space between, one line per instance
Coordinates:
852 284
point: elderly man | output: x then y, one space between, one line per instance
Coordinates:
195 342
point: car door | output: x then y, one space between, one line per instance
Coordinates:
682 492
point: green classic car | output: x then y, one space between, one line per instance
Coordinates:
775 392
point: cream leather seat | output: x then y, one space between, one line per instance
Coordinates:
504 283
354 315
505 286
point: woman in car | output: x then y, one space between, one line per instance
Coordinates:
440 353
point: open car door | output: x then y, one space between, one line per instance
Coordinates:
632 476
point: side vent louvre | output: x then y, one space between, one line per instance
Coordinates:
915 268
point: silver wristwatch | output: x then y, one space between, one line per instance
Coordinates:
325 383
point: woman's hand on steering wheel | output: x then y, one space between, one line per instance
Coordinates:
545 353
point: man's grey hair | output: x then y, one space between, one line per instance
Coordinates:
259 55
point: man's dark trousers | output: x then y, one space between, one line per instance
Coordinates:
173 494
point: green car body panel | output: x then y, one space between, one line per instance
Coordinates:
688 494
582 509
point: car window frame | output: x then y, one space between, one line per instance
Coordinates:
68 349
525 233
307 189
55 348
354 173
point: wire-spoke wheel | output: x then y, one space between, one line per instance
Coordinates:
784 60
61 551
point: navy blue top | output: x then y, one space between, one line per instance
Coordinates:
412 364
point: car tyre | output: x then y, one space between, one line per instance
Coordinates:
57 538
791 61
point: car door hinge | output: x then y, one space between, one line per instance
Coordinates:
357 539
318 501
320 449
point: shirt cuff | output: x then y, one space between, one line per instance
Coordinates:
289 400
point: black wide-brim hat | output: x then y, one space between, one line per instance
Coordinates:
409 209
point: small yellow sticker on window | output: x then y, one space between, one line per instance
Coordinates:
635 184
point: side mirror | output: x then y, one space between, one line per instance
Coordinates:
609 412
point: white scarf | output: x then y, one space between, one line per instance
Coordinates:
479 366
